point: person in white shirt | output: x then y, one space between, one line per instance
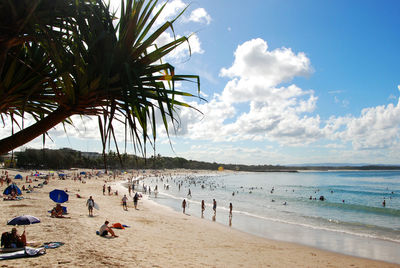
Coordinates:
90 205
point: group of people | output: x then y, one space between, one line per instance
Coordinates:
203 207
13 239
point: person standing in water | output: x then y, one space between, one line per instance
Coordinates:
184 205
203 207
230 210
215 206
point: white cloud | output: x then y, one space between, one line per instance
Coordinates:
253 61
200 15
335 146
377 127
182 52
284 115
170 11
275 113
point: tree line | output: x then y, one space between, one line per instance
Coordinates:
67 158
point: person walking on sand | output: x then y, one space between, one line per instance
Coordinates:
215 206
124 199
104 189
90 205
109 189
135 200
184 205
129 189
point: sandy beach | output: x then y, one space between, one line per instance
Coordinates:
157 236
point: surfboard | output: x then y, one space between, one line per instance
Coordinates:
96 206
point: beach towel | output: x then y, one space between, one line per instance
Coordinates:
117 226
27 252
53 244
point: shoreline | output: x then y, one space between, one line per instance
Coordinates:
355 244
158 237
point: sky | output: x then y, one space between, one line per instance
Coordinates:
286 82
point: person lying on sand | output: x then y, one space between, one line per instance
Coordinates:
104 230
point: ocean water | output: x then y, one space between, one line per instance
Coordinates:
277 205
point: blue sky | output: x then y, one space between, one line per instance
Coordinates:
287 82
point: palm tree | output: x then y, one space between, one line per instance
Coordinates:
82 64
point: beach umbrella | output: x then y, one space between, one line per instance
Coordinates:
12 187
23 220
18 176
58 196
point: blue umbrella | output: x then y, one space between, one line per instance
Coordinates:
23 220
83 173
18 176
12 187
58 196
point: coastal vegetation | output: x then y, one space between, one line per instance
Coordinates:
68 158
60 58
